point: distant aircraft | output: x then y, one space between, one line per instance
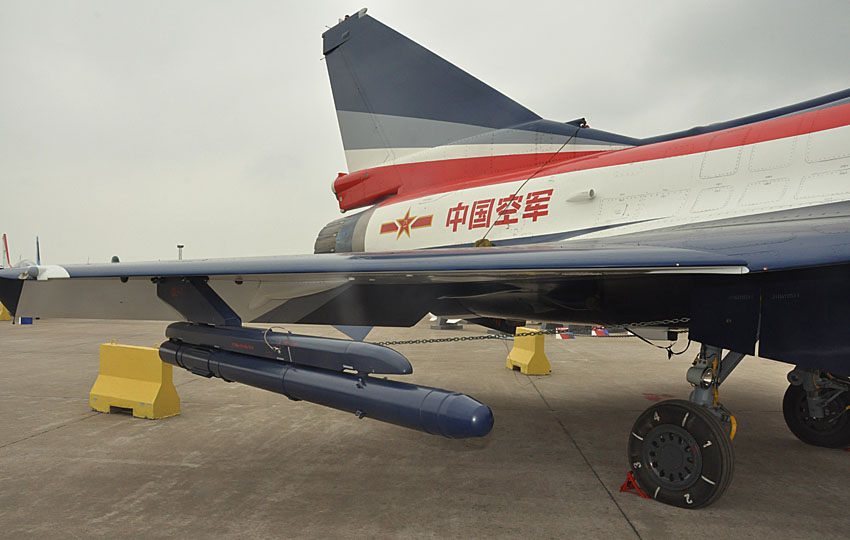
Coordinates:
737 231
24 263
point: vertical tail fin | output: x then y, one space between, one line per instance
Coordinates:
411 121
394 97
5 261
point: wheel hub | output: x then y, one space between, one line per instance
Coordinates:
673 456
832 414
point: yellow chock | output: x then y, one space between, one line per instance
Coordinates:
4 313
134 378
528 355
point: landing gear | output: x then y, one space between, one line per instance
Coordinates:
817 408
680 454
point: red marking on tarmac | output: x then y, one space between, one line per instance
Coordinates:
656 397
564 333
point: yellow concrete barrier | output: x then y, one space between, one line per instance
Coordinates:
4 313
528 355
134 378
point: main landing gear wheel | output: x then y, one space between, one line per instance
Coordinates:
680 454
831 431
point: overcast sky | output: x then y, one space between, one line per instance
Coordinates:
129 127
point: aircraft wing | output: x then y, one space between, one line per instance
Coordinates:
394 289
733 283
398 288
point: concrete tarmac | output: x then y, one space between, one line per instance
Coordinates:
242 462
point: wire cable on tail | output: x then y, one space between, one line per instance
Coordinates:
484 242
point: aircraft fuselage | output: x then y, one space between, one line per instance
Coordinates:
782 164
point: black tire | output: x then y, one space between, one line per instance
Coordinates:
680 454
832 431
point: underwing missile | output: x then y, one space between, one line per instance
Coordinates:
432 410
314 351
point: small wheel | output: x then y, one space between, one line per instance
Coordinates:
680 454
831 431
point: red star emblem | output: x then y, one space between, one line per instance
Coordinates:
404 224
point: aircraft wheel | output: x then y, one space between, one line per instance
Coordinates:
680 454
831 431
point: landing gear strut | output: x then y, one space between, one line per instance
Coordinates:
817 408
681 451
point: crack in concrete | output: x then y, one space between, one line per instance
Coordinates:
48 430
587 461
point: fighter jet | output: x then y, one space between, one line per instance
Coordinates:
472 206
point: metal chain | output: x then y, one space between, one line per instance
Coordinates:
505 336
669 323
467 338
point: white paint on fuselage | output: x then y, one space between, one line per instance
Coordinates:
781 174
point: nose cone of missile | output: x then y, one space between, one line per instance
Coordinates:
463 417
481 421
